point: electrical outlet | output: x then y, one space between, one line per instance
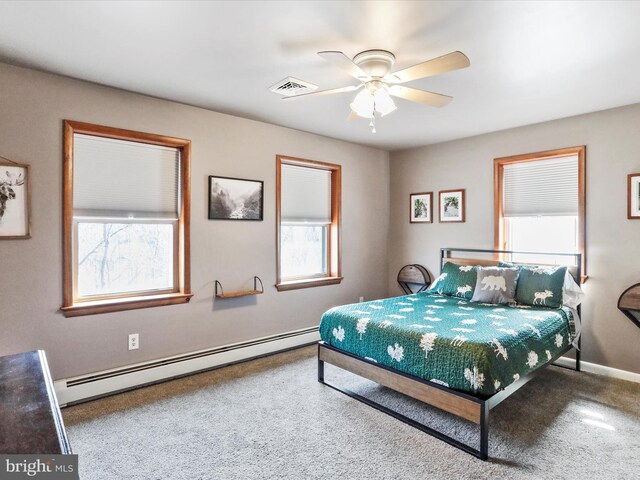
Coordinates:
361 299
134 341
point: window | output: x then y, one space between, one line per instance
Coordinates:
308 223
540 204
126 220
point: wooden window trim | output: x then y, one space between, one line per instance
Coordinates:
182 294
498 170
334 247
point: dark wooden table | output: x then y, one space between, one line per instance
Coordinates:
30 419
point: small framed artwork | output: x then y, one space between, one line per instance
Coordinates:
235 198
633 196
421 207
15 200
452 205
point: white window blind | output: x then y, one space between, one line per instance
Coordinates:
305 195
118 178
541 188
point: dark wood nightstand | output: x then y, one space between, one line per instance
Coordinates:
629 303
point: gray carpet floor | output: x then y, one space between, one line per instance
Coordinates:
270 418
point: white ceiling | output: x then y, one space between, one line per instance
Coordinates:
530 61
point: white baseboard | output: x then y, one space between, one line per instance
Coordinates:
76 389
600 369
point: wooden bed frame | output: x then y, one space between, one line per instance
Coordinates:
474 408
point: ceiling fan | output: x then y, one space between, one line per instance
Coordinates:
373 69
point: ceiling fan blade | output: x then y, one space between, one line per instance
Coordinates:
436 66
340 60
420 96
350 88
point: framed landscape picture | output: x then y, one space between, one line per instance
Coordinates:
452 205
15 199
235 198
633 196
421 207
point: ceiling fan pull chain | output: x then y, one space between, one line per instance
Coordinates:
373 117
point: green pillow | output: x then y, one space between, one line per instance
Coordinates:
539 286
456 281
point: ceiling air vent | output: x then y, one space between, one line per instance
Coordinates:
292 86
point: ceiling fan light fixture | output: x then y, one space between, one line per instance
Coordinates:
363 104
383 102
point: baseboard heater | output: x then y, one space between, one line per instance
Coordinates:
89 387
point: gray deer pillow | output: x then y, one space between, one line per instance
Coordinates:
496 285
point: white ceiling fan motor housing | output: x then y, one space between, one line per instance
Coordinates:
376 63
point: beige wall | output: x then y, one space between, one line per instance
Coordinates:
32 107
613 242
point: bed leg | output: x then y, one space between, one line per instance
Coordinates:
484 431
579 349
320 368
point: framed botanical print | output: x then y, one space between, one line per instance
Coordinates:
452 206
633 196
421 207
15 200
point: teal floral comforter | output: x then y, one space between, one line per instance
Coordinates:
473 347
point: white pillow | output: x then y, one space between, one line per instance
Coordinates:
572 294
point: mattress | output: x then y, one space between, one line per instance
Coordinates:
472 347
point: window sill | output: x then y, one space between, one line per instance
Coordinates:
122 304
307 283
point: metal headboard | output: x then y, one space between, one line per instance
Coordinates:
445 255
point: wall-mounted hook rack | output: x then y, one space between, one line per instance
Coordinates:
220 292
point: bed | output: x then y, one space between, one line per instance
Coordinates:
460 356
